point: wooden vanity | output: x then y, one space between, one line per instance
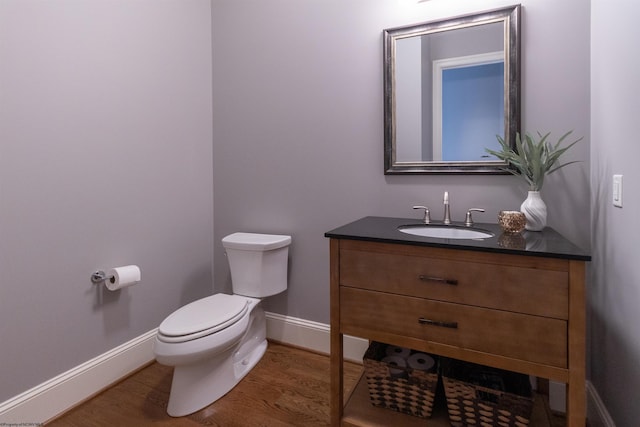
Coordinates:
517 305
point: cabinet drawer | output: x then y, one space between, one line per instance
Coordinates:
511 288
521 336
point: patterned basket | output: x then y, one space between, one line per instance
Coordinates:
481 396
410 391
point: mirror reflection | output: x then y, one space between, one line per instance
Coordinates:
451 87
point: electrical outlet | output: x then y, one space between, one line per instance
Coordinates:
617 190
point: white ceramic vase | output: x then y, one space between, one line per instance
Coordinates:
535 210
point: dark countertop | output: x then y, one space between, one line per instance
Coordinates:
546 243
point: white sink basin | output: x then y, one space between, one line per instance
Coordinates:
445 231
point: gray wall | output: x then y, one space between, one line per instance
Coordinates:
614 294
105 154
298 134
105 160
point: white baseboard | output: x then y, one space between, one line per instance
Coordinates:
558 397
54 397
59 394
597 413
311 335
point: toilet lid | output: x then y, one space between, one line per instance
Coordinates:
204 316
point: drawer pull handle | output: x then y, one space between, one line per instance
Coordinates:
452 325
424 278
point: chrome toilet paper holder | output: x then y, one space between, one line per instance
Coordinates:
100 276
118 277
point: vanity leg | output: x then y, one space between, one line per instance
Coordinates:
576 406
336 371
337 397
576 388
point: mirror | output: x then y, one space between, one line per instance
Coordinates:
450 87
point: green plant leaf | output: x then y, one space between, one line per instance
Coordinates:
533 159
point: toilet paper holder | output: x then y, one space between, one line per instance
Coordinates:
100 276
118 277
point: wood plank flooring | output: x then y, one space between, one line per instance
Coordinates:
289 387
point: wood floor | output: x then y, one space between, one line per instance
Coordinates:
288 387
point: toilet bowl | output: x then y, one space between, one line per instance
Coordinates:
215 341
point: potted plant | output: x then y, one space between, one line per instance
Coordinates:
533 160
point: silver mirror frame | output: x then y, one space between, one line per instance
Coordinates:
510 16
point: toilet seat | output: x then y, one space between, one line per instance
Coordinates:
203 317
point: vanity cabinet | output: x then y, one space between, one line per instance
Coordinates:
497 308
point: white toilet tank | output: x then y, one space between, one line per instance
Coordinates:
258 263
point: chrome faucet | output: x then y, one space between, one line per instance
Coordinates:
447 211
469 220
427 218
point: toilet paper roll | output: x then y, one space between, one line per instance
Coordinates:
121 277
393 350
421 361
395 361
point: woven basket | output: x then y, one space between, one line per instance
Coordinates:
412 392
481 396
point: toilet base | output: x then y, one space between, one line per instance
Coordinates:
198 385
195 387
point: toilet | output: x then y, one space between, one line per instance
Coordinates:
215 341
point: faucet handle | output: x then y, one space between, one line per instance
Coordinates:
427 217
469 221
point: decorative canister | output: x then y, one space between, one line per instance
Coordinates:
512 221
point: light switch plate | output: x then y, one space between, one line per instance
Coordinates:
617 190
